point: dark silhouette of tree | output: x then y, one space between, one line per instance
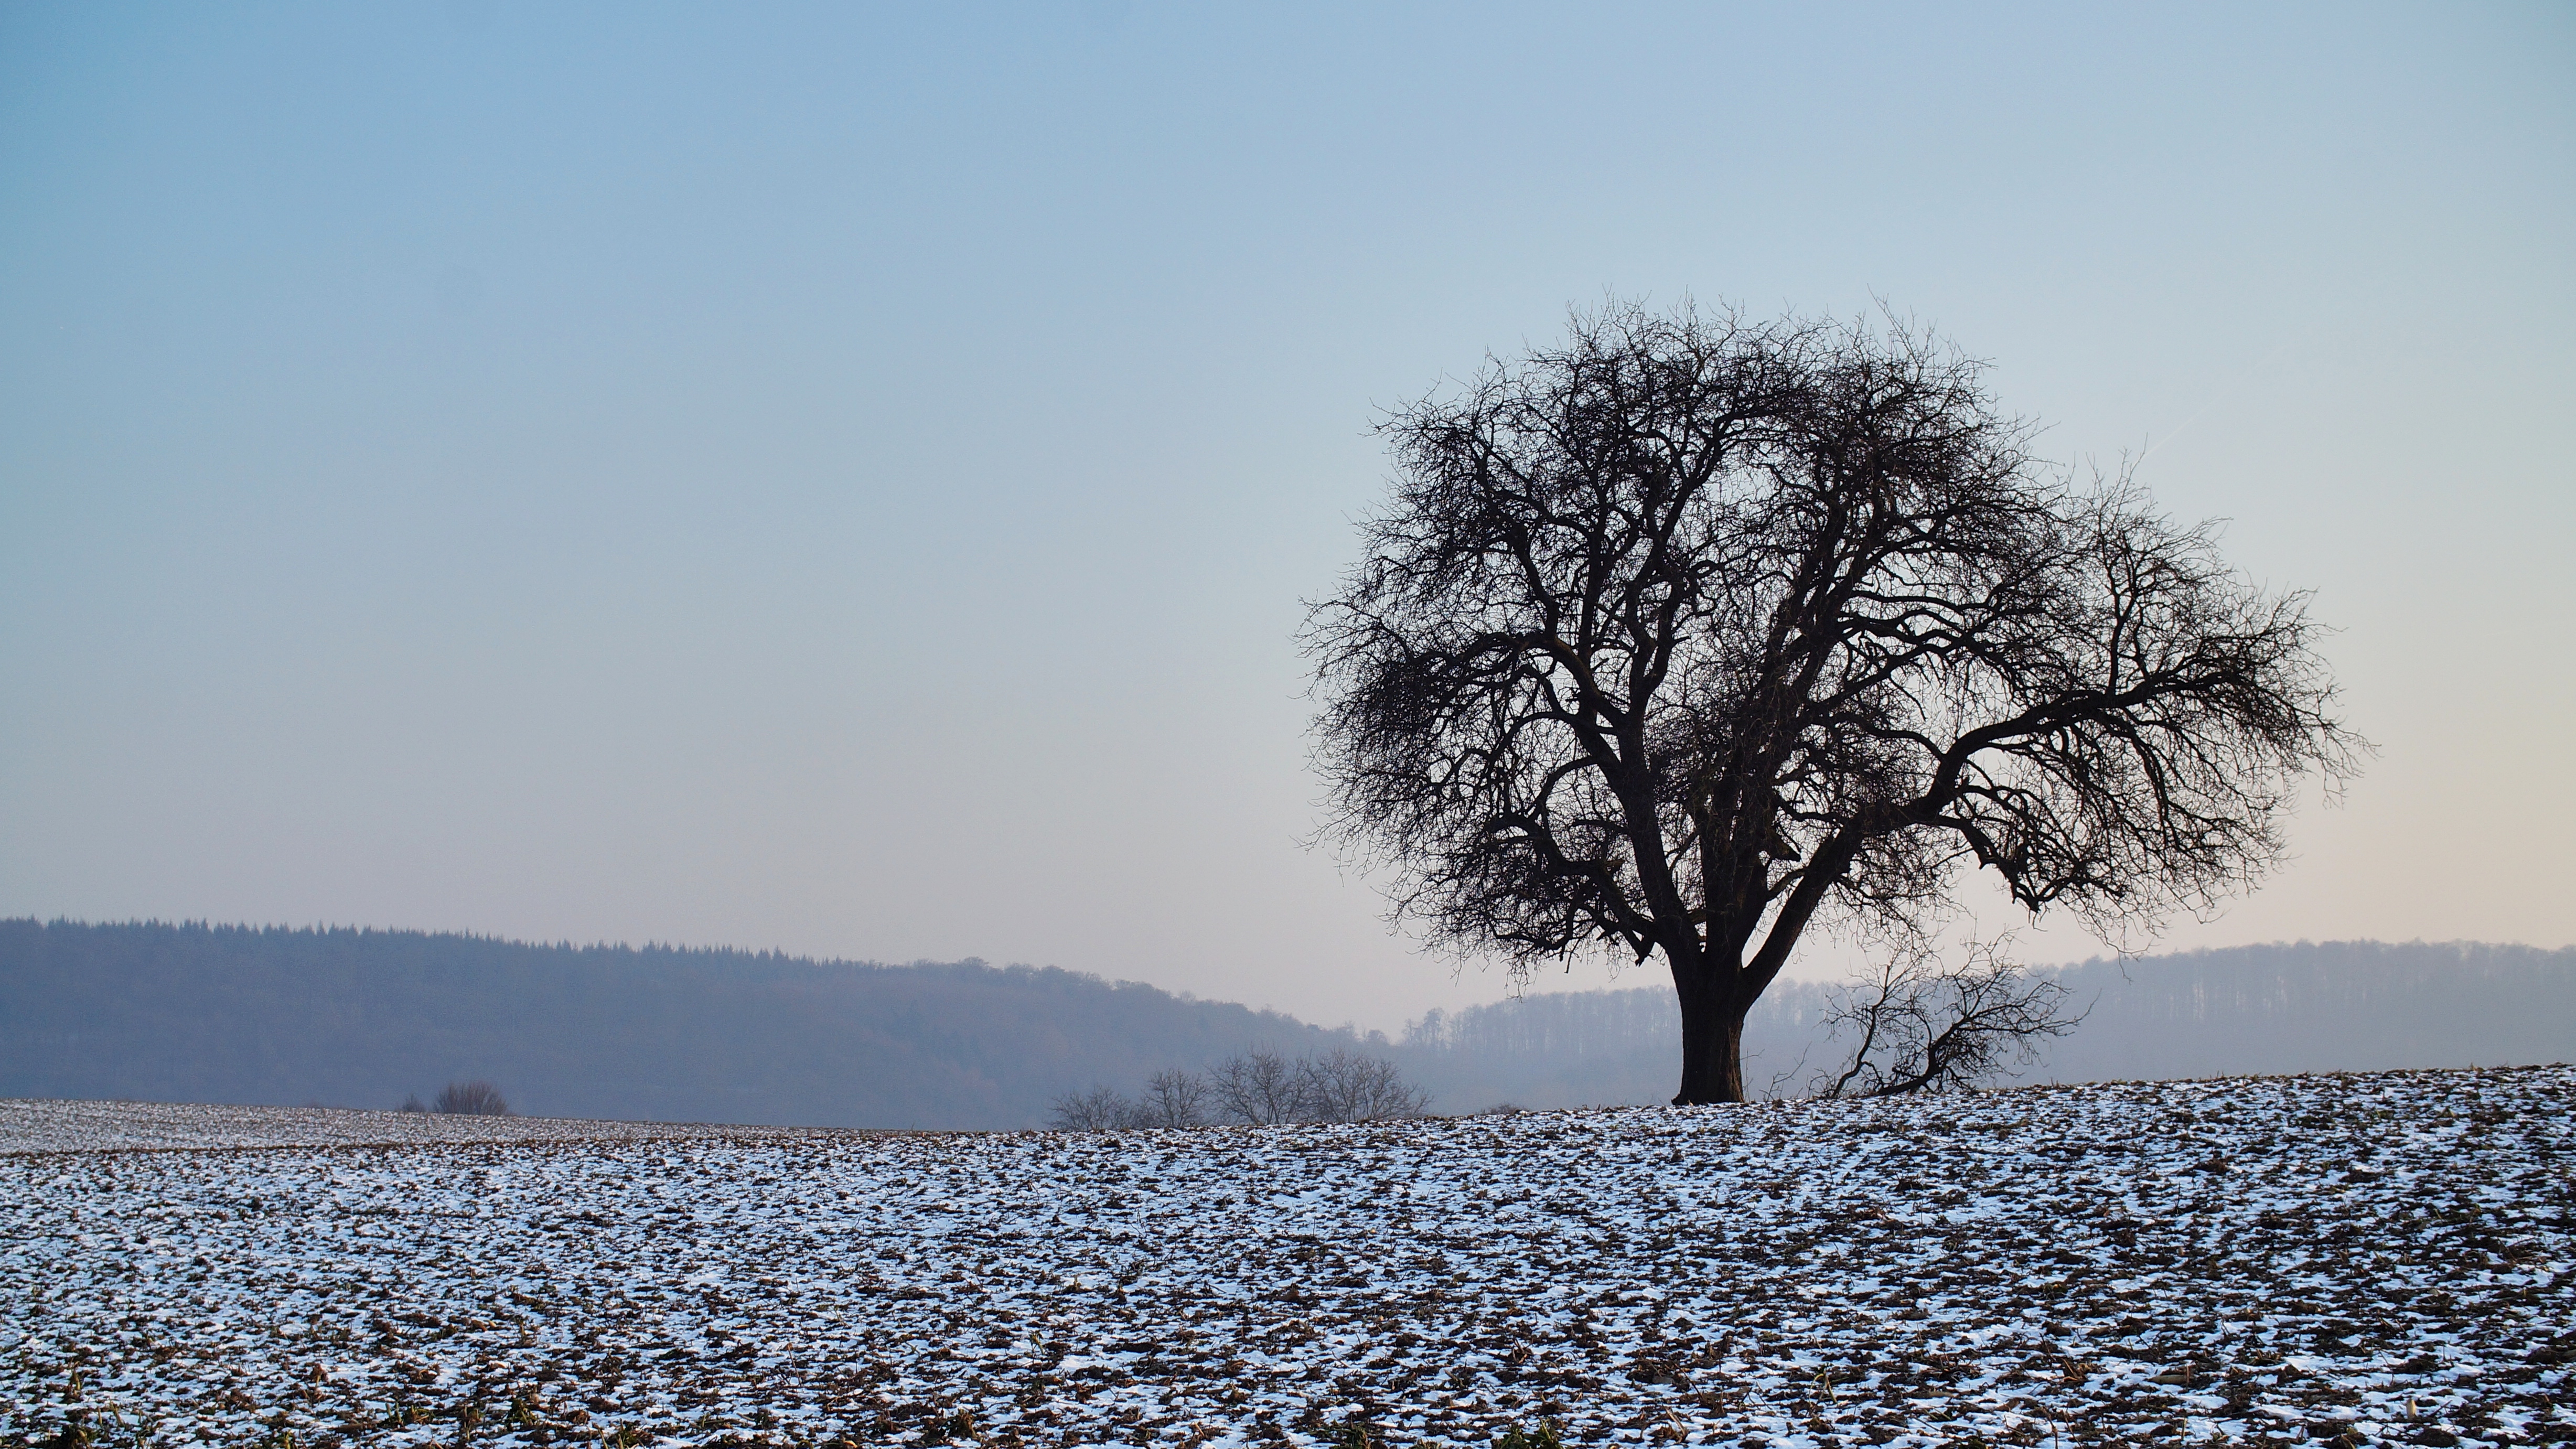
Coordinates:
477 1098
1692 632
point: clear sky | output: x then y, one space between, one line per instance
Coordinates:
843 479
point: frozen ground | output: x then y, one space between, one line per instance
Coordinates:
2378 1258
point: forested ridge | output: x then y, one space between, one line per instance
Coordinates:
364 1018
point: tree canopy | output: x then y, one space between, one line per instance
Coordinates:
1693 631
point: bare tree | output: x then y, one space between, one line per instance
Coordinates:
1921 1026
1347 1086
477 1098
1099 1110
1261 1088
1173 1098
1691 632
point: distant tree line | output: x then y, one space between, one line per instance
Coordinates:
151 1012
359 1018
1254 1088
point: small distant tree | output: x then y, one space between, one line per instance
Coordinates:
1173 1098
1263 1088
1258 1088
1921 1026
477 1098
411 1103
1348 1086
1099 1110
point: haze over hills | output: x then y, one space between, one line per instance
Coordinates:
365 1018
2248 1010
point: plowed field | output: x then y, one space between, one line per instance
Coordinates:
2381 1258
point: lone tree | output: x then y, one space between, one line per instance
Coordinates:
1694 632
477 1098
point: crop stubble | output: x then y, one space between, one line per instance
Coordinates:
2383 1258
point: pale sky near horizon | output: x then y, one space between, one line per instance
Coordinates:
843 480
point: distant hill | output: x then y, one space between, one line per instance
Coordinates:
364 1018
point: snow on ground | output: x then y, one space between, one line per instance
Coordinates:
2357 1258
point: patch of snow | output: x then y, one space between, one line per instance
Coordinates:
2382 1257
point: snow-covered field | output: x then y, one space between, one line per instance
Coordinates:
2384 1257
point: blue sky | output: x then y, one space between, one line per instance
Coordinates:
843 480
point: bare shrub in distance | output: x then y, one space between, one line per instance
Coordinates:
1259 1088
1256 1088
477 1098
1347 1086
1263 1088
1173 1098
1924 1027
1099 1110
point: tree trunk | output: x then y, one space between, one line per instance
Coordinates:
1712 1044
